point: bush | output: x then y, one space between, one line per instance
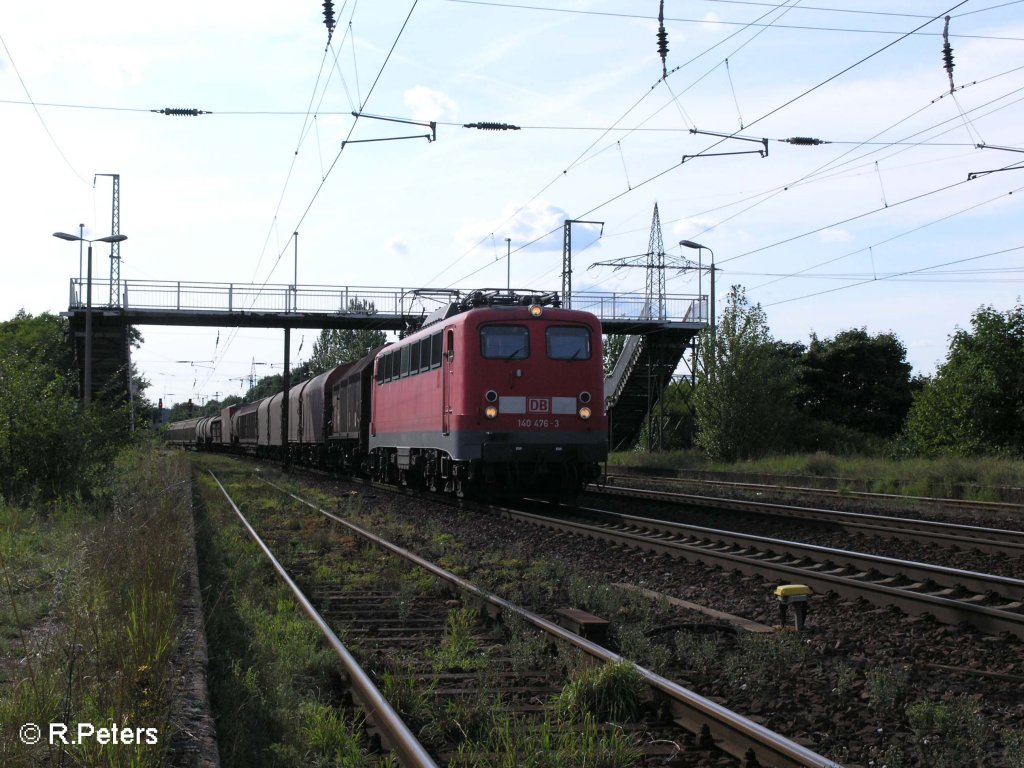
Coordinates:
609 692
50 445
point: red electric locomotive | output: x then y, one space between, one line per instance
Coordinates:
496 394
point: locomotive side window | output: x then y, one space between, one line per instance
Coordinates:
389 367
425 354
568 343
435 350
505 342
405 362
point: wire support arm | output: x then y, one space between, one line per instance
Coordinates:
430 137
1012 167
763 152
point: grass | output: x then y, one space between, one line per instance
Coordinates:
761 663
514 742
1014 741
607 692
888 688
948 734
459 650
982 478
274 686
90 613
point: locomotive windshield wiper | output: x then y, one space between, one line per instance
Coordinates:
515 354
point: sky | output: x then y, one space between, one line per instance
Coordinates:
879 226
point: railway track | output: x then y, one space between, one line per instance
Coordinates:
711 725
625 475
991 603
1000 541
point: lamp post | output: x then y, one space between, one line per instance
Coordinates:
700 248
81 235
87 391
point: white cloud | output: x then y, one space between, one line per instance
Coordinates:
428 104
523 225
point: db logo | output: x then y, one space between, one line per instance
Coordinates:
539 405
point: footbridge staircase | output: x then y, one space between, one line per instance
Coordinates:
641 375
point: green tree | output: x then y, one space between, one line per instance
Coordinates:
857 381
49 443
335 346
975 402
675 411
613 344
745 396
268 385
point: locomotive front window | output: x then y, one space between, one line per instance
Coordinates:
568 343
505 342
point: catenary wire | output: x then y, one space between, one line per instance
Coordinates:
39 114
799 27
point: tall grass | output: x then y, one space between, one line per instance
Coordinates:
91 614
982 478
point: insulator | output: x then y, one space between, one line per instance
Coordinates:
662 38
329 15
492 126
806 141
947 55
176 112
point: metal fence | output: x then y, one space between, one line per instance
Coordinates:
358 300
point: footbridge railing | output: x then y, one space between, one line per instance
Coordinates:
231 298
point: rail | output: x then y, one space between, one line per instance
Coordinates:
739 736
232 298
912 586
1006 541
394 732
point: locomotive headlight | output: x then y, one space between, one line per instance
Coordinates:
585 412
536 310
491 411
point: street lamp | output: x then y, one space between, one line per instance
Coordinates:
700 248
87 394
